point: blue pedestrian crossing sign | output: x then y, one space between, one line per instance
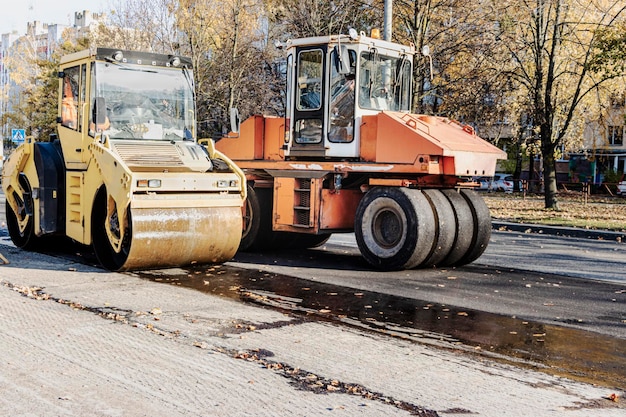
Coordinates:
18 135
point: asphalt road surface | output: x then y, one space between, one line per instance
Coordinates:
317 333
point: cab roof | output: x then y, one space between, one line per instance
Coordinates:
130 57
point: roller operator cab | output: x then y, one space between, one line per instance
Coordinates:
350 157
125 172
333 83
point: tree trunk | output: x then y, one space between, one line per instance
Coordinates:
532 185
549 174
518 158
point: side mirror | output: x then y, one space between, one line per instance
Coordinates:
234 120
99 111
343 60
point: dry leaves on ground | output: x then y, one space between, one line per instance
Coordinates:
596 213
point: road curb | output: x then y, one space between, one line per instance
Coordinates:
559 231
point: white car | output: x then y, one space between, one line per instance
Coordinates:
621 188
503 182
499 182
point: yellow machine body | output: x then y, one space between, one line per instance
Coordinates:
126 173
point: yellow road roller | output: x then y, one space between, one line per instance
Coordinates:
125 172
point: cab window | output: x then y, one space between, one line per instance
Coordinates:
308 124
70 97
342 101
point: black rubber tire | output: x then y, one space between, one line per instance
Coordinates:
251 221
102 247
26 239
445 228
482 226
464 228
261 237
293 240
394 228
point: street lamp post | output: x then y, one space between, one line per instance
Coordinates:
388 20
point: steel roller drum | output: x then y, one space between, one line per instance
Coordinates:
166 237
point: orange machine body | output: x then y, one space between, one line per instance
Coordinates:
349 156
397 149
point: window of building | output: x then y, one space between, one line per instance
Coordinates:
616 135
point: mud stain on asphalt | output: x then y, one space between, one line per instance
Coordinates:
573 353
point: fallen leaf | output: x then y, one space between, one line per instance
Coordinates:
613 397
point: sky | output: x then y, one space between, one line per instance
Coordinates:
15 14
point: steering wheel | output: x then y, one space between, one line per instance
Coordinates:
380 92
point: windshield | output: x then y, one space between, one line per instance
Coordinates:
384 82
143 102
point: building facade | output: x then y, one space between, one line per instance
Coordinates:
604 141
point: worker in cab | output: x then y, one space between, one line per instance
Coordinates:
69 105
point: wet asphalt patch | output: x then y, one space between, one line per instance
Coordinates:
563 351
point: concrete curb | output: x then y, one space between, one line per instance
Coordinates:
559 231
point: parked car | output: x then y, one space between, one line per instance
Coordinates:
503 182
621 187
499 182
485 183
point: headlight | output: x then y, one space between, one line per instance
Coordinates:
149 183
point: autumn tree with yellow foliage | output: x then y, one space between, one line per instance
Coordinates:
526 63
36 76
540 68
552 44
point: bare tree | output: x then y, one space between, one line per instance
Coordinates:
228 48
147 25
461 79
303 18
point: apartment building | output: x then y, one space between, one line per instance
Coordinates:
604 141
